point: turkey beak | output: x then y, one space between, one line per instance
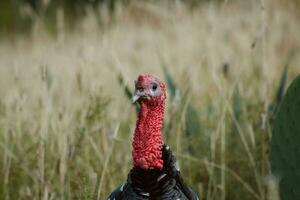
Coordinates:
142 95
135 98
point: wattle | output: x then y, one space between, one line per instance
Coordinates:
147 141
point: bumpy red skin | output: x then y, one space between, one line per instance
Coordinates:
147 140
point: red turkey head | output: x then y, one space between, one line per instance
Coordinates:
149 89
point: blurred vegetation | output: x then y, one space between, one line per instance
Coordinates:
66 115
19 16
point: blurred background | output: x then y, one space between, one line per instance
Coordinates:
66 75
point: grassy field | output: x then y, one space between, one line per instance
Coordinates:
66 123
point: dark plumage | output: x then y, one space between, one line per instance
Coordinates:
154 184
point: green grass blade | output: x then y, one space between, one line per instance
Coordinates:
170 82
192 121
127 91
237 104
273 108
281 89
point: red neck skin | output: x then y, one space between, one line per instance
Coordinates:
147 140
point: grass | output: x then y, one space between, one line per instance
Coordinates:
66 123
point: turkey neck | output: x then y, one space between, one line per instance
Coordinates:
147 140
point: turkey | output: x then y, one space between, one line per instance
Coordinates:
154 175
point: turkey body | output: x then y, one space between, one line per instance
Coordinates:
155 184
154 175
151 185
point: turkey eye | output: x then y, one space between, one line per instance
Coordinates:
154 87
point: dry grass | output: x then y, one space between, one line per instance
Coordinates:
66 124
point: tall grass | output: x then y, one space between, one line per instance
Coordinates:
66 123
